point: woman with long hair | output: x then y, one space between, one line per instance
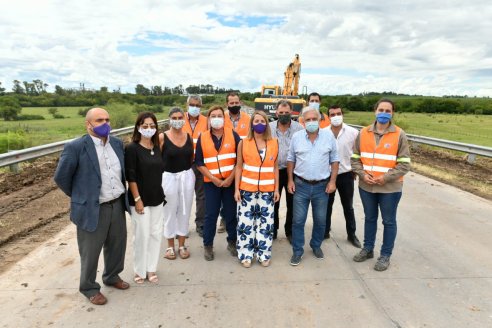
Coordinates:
256 192
143 165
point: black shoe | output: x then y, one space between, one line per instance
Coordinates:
363 255
327 235
354 241
295 260
318 253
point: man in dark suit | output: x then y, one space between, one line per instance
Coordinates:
91 172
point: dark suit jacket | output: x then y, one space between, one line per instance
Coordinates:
79 177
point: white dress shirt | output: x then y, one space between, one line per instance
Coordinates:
345 145
110 167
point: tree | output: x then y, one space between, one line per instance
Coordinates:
9 108
2 90
17 88
59 90
140 89
103 89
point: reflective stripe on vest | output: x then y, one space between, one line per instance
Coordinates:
258 174
377 160
219 163
242 127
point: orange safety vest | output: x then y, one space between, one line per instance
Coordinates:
258 174
219 163
322 123
200 127
242 127
377 160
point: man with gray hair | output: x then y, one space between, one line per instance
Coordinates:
195 124
283 129
312 168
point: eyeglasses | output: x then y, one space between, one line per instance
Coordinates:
147 126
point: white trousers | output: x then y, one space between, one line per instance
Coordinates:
147 228
178 188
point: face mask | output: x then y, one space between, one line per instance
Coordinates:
259 128
314 105
312 126
234 109
193 111
102 130
284 119
383 118
176 124
147 133
336 120
217 122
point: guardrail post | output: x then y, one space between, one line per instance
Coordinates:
13 167
470 158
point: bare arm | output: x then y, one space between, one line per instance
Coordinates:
290 175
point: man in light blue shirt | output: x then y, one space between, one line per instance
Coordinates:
312 168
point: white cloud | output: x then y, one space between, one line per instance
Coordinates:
346 47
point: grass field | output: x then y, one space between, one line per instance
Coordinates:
473 129
39 132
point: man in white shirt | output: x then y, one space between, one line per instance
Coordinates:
345 136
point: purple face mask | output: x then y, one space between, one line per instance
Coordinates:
259 128
102 130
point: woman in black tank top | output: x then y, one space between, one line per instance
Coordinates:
178 183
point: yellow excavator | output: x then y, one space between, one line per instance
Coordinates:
271 94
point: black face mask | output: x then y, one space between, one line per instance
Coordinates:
234 109
284 119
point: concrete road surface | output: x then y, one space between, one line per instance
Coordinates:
440 276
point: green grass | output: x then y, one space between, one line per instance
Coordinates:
39 132
473 129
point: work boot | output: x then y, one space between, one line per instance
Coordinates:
222 227
382 263
354 241
231 247
363 255
209 253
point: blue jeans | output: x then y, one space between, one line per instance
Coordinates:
388 204
308 193
216 198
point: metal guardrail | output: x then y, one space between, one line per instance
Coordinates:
22 155
26 154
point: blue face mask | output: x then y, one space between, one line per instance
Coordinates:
383 118
314 105
312 126
102 130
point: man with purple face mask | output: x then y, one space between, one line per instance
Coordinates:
91 171
345 136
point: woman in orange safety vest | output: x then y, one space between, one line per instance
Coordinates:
381 158
256 191
215 158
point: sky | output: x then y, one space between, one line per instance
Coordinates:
346 47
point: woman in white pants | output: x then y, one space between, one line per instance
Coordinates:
178 183
143 165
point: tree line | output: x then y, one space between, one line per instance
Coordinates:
35 94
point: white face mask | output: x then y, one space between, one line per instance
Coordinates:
193 111
314 105
176 124
147 133
336 120
217 122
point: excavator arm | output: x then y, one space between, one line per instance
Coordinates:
291 77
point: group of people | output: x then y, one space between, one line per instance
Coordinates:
237 167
